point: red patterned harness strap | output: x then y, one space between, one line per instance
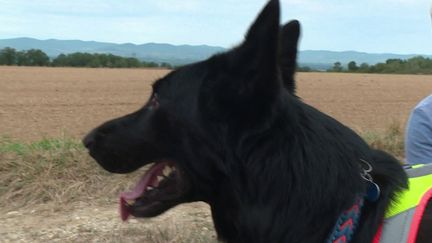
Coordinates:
377 237
418 215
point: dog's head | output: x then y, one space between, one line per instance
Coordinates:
196 118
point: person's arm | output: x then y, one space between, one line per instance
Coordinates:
418 137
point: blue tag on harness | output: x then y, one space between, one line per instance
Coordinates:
373 191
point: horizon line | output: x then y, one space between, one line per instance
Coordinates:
212 46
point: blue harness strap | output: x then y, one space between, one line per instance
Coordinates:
346 223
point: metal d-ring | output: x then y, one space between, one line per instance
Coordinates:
373 191
365 171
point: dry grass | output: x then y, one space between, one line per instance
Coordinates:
51 190
390 140
52 170
81 197
60 171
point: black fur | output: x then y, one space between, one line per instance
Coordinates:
272 168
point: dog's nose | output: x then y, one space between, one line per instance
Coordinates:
89 139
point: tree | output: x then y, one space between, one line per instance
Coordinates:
166 65
337 67
94 63
133 62
391 61
8 56
352 66
60 61
21 58
150 64
364 67
303 69
414 65
79 59
36 57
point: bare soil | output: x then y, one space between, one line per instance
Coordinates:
364 102
101 223
56 102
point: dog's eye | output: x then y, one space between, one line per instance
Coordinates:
154 102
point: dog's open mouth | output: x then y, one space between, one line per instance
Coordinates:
160 188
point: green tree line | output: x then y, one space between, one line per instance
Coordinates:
415 65
35 57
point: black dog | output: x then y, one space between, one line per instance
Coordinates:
233 134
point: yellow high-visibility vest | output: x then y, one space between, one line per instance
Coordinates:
403 218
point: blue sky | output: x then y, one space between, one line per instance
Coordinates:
377 26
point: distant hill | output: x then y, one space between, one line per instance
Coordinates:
149 52
325 59
182 54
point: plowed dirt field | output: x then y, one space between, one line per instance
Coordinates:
57 102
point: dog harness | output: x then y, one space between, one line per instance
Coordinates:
347 222
403 219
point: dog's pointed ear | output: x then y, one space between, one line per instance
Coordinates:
266 25
245 82
290 34
256 59
262 39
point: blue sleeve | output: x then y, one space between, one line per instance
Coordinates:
418 137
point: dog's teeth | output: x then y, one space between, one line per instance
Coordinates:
167 170
160 178
149 188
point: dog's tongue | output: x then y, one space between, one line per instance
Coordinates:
148 179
